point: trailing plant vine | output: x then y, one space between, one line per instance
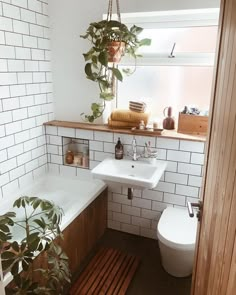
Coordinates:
41 226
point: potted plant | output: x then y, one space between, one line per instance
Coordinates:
40 225
110 41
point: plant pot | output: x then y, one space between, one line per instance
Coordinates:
116 50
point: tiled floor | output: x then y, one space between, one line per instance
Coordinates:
150 278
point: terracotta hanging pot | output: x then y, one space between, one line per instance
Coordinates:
116 50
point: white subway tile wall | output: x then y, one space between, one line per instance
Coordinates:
25 91
180 183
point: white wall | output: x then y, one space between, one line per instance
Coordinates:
25 91
69 19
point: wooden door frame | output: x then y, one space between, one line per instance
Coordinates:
222 89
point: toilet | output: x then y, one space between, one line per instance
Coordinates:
176 233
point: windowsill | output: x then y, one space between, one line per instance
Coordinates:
104 128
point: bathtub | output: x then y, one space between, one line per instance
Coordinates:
72 194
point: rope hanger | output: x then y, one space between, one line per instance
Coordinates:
109 12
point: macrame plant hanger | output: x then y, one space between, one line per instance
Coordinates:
109 18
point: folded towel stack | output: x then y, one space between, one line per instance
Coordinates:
127 119
137 106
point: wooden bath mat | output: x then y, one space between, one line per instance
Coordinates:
109 272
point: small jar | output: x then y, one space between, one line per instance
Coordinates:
69 157
155 126
85 161
141 125
78 159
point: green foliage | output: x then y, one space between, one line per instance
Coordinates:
97 67
41 224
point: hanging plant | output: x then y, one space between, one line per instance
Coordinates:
40 225
110 41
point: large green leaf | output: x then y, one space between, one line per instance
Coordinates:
145 42
117 74
88 69
103 58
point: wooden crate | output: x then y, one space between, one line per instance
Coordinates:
192 124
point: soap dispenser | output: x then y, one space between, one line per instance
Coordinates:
119 150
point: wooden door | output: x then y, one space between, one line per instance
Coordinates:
215 261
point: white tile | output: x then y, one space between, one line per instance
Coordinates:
24 158
44 43
28 123
95 145
37 54
39 77
152 195
56 159
30 144
2 131
38 152
4 91
161 154
12 128
28 16
125 138
195 181
70 132
103 136
115 207
26 101
23 53
176 177
122 199
141 140
141 203
13 39
192 146
166 143
15 150
34 111
17 90
24 78
19 114
16 65
113 224
5 117
129 228
100 156
51 130
4 179
150 214
178 155
175 199
8 78
6 142
130 210
29 41
57 140
11 11
114 187
36 30
109 147
25 180
10 188
21 3
139 221
35 5
44 66
189 169
22 136
3 155
121 217
148 233
20 27
7 52
17 172
165 187
159 206
8 165
10 104
197 158
31 66
5 24
187 190
32 165
84 134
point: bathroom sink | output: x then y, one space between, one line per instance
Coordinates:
130 173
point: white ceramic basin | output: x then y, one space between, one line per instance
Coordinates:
130 173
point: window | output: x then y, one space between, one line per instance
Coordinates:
184 79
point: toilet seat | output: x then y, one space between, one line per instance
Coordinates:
176 229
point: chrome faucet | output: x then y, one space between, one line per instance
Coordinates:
134 150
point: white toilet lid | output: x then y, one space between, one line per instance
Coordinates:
176 229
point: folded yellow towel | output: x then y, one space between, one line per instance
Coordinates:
121 124
129 116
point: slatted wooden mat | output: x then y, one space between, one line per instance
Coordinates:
109 272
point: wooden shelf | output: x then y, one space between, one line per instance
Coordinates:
105 128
